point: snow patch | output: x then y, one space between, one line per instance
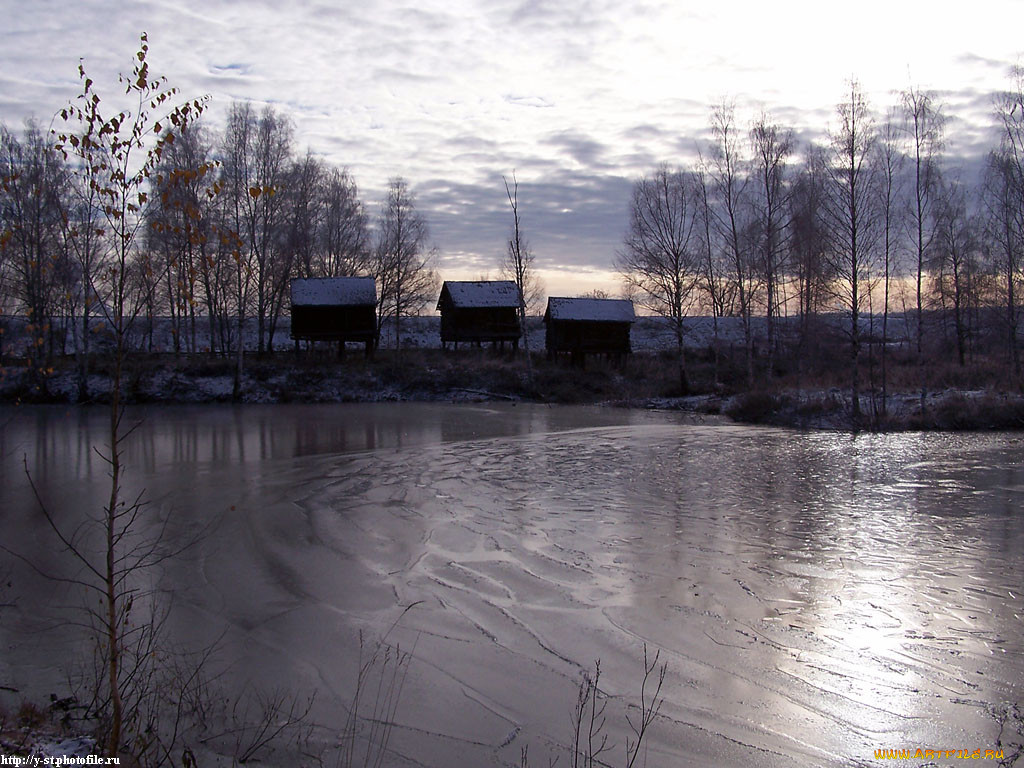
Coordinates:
599 310
480 293
334 291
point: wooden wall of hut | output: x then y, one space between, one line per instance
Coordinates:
587 337
479 325
340 324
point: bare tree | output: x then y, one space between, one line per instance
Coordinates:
954 259
1005 207
257 156
716 288
1004 234
182 228
808 249
517 266
304 201
890 164
850 218
771 146
729 182
344 240
189 222
30 207
405 280
661 254
923 127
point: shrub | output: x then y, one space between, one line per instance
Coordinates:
755 407
30 716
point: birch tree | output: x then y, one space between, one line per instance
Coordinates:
718 290
1004 196
954 260
116 155
808 249
660 260
890 179
729 182
406 283
343 238
771 146
31 205
850 219
256 161
922 124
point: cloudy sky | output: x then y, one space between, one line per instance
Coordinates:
579 98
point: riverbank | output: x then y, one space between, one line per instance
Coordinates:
648 381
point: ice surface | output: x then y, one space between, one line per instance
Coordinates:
816 596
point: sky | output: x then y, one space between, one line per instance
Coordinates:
578 99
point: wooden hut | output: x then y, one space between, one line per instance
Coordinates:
340 309
582 327
478 311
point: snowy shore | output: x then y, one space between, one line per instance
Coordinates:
424 373
420 376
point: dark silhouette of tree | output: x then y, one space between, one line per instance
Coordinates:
406 283
923 127
343 236
256 162
808 250
661 254
1004 203
954 262
729 182
183 227
517 266
771 146
890 164
718 290
31 205
850 218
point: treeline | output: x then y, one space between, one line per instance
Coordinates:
227 220
872 221
869 222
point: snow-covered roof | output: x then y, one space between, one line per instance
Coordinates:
481 293
333 291
601 310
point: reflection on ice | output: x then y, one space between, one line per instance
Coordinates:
817 596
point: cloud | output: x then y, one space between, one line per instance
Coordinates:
571 219
580 147
645 131
579 98
538 102
402 76
233 70
970 59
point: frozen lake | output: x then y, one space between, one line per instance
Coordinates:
817 596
